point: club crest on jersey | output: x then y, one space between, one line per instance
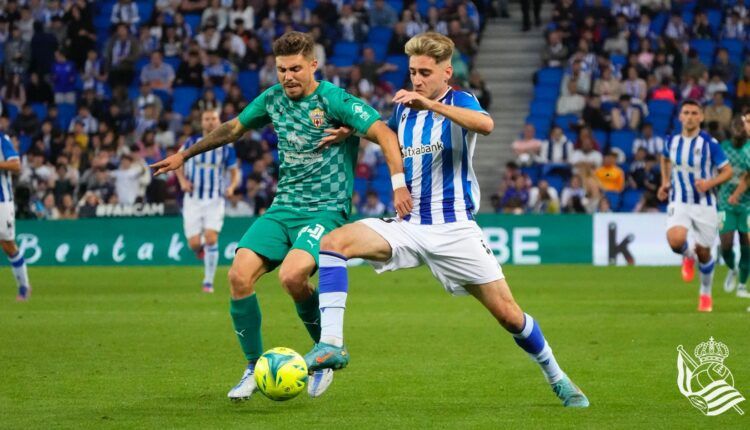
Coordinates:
317 116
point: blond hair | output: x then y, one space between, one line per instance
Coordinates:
431 44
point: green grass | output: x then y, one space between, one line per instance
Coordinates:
144 348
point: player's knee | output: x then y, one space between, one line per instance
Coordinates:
293 281
334 242
240 282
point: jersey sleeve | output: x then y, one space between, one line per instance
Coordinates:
718 158
230 161
665 147
9 152
352 111
393 120
255 114
467 101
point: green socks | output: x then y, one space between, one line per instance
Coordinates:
246 318
309 313
728 256
744 263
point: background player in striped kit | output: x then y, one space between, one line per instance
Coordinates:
202 178
734 207
688 165
437 129
9 164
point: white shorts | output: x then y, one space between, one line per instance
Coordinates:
455 252
199 215
7 221
702 220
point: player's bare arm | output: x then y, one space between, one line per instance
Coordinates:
666 173
227 132
725 174
13 165
469 119
185 185
234 181
741 188
388 141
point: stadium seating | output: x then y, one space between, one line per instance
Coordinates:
184 98
623 140
249 83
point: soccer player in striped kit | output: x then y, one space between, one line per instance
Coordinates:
9 164
202 179
689 166
437 129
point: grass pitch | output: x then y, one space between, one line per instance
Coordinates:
144 348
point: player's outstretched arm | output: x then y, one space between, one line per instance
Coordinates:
472 120
388 141
13 165
225 133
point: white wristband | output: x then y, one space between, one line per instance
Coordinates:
398 181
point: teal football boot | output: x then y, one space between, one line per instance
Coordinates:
570 394
326 356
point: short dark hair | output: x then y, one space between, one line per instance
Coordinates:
293 43
691 102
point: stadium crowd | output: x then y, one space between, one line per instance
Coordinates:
91 92
613 73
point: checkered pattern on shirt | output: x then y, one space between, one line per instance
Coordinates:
739 159
311 179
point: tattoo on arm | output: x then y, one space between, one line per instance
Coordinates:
225 133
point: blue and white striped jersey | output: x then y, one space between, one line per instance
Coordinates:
207 171
437 161
7 153
692 159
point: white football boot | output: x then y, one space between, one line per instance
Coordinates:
245 388
742 292
319 382
730 281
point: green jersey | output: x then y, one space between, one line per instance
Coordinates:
311 179
739 159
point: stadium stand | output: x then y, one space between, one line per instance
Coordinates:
97 55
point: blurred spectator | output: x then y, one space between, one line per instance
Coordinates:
544 199
625 115
237 206
66 208
723 67
158 74
37 91
526 5
718 112
586 156
610 176
603 206
570 102
579 76
555 52
216 15
90 124
691 89
527 147
516 197
13 91
244 11
574 199
17 52
26 123
267 75
701 27
121 53
479 89
64 78
373 207
349 26
594 116
653 145
608 87
734 28
634 86
715 85
43 46
258 195
558 148
190 72
382 14
664 91
145 97
126 12
743 89
128 180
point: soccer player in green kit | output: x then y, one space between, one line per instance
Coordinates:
314 192
734 207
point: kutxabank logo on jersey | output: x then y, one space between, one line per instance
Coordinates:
708 384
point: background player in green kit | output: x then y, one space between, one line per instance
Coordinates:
734 206
314 190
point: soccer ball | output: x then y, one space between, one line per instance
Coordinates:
281 374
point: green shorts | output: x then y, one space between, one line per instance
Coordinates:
282 229
733 218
